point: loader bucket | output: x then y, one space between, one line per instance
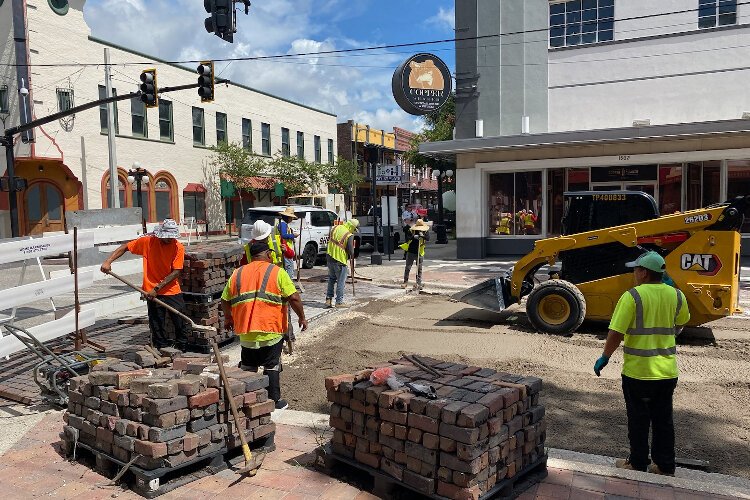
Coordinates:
492 295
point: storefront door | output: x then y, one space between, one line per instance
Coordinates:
43 205
646 187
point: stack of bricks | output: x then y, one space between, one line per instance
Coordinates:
167 416
206 271
484 427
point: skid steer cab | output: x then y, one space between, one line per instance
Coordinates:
602 231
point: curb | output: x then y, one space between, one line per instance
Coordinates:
704 482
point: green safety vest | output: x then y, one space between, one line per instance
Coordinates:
337 243
649 348
274 243
405 246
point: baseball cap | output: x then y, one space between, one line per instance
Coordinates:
651 261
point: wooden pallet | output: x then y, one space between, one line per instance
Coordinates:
206 349
386 486
201 298
156 482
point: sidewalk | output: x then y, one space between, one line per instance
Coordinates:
33 467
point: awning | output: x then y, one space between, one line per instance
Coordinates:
194 187
267 183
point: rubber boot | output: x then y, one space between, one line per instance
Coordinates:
274 389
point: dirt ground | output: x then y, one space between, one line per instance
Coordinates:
586 413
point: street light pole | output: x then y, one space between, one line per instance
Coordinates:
7 141
139 176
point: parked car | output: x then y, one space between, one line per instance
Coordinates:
316 228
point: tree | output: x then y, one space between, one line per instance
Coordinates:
438 127
235 164
343 176
297 174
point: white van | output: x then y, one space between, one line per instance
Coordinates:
316 227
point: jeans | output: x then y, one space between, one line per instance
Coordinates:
649 404
290 267
411 258
157 316
337 273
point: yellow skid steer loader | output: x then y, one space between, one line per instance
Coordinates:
601 232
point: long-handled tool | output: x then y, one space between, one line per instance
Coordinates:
193 325
252 462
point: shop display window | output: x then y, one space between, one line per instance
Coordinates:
739 183
578 179
670 189
515 203
703 184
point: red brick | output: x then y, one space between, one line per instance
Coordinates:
414 435
387 398
472 415
494 401
400 431
387 428
332 383
402 401
367 459
456 493
424 423
205 398
431 441
123 379
149 449
105 436
190 441
260 409
394 416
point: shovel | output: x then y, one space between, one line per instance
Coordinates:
252 463
202 328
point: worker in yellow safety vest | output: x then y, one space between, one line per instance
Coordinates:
504 226
528 221
340 250
414 249
255 302
648 318
262 231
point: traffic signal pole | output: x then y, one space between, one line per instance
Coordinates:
7 141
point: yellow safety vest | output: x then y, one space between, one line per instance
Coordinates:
504 227
649 349
274 243
405 246
337 243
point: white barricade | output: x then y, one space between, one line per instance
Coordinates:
49 331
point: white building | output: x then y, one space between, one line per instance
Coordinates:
67 162
556 96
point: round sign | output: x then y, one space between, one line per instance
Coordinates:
422 84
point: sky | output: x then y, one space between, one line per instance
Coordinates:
356 86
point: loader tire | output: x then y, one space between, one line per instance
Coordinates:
556 306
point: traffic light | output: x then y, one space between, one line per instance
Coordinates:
149 88
206 81
221 22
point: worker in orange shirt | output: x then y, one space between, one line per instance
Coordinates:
163 258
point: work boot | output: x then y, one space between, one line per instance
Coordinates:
654 469
405 284
624 463
274 389
343 305
329 303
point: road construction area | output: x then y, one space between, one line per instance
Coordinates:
585 413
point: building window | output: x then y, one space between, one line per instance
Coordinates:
64 99
103 111
221 128
330 151
145 197
579 22
265 136
199 127
4 106
515 201
301 145
138 117
318 153
166 129
121 183
703 187
578 179
670 189
285 149
163 195
247 134
716 13
195 204
739 184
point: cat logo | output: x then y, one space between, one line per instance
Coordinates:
703 264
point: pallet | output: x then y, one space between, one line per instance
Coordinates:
206 348
201 298
386 486
156 482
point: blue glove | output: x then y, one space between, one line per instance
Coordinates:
600 363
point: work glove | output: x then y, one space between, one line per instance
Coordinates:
600 363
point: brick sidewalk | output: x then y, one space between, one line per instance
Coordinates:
35 468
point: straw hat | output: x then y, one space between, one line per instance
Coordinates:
288 212
167 230
420 226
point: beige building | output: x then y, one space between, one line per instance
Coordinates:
66 165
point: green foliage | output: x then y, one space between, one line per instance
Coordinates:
297 174
236 164
438 127
342 175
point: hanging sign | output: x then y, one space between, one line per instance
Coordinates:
422 84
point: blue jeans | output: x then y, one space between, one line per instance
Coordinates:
337 273
290 267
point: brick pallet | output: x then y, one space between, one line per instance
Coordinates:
483 432
164 418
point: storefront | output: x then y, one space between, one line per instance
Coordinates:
517 183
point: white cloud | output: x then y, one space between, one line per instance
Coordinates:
445 19
386 119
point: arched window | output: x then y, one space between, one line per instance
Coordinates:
165 197
107 197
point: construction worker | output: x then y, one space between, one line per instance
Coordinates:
504 226
414 249
648 318
262 231
255 302
340 250
163 258
287 237
528 221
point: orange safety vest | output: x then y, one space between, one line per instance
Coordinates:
258 309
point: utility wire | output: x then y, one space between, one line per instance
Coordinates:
362 49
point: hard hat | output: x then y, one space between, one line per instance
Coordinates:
353 224
649 260
257 232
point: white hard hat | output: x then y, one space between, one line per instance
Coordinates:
257 232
